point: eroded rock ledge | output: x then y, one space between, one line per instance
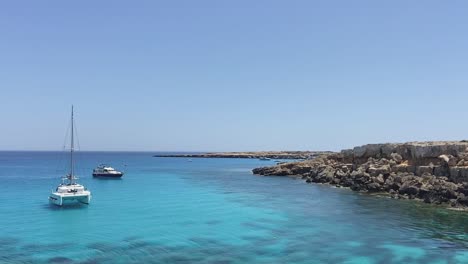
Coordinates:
251 155
434 172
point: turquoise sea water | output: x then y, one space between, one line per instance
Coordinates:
168 210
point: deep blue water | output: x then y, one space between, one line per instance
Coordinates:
169 210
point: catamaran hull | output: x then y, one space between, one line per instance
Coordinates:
71 199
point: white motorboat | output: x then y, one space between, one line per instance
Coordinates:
106 171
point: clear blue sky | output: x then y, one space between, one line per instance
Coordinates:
232 75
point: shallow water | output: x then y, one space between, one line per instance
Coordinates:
169 210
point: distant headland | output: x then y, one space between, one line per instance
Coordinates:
433 172
252 155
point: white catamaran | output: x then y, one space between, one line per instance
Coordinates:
69 190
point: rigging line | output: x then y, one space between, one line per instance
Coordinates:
62 151
80 169
77 137
72 148
66 136
78 155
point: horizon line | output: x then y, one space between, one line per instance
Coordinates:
190 151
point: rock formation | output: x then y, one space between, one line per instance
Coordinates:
252 155
434 172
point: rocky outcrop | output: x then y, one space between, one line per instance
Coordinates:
434 172
251 155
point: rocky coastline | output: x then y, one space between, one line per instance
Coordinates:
433 172
251 155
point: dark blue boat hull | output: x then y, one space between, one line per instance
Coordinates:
108 175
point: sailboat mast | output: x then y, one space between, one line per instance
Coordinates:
72 145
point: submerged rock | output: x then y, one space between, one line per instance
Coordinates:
61 260
434 172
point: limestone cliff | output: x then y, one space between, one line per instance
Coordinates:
436 172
